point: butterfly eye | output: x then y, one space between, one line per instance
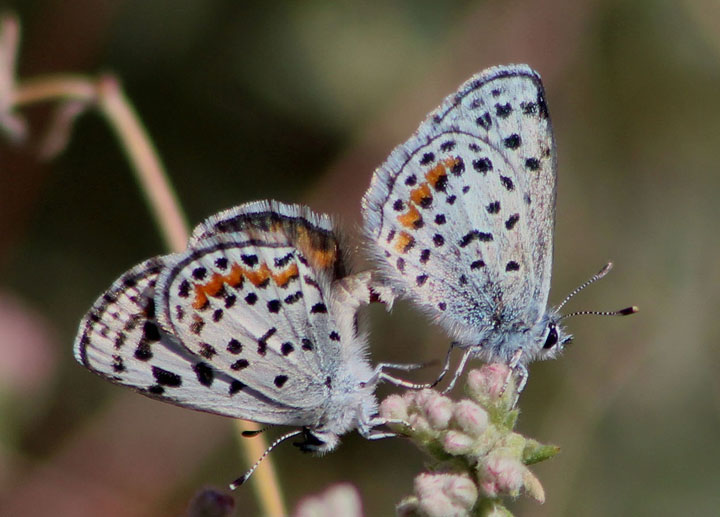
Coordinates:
552 337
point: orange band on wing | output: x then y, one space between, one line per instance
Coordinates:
417 195
411 218
235 278
435 174
404 242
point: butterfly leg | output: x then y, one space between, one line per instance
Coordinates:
407 367
522 375
401 366
382 376
380 291
380 435
520 371
459 369
371 433
446 365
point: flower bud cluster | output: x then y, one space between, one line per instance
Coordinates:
477 458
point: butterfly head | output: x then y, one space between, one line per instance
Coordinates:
552 337
317 441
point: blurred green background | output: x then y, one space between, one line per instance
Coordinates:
299 101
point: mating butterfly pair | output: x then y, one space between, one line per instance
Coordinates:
257 318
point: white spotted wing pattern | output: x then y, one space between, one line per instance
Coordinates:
252 321
461 216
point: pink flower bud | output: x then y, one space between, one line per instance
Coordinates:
418 422
502 476
445 494
421 398
439 409
489 382
394 407
457 443
470 417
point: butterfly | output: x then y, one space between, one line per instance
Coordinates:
256 319
461 219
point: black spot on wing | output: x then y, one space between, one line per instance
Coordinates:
503 110
143 352
318 308
280 380
166 378
512 142
427 158
151 332
512 221
512 266
234 346
235 386
292 298
249 260
283 261
205 374
207 351
239 364
482 165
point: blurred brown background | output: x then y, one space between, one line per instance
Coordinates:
299 102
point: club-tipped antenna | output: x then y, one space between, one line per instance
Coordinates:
597 276
622 312
242 479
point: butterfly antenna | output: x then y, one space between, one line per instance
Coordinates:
254 432
622 312
239 481
604 271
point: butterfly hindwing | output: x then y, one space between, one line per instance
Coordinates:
254 309
462 213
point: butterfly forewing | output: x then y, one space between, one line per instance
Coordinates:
272 222
121 340
462 213
115 330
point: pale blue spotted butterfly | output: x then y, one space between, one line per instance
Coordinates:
256 320
461 220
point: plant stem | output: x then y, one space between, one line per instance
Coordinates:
106 93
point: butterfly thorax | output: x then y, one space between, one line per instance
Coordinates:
350 405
